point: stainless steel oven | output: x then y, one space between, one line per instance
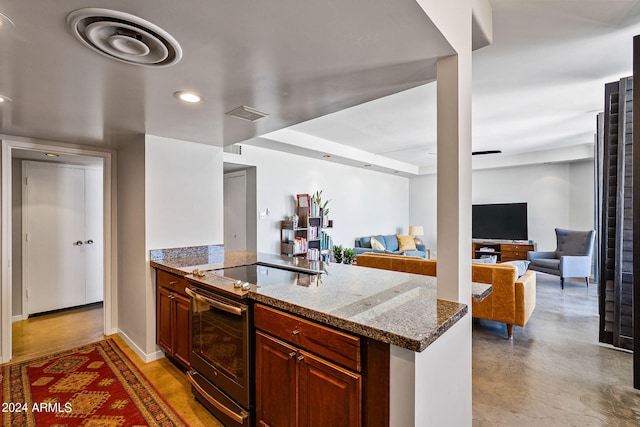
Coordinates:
221 364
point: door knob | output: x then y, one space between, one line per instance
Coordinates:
79 243
89 242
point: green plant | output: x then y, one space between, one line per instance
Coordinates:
348 256
337 253
317 198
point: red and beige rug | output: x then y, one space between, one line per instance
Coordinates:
93 385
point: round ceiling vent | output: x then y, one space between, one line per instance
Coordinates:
124 37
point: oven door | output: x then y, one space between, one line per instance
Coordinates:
220 345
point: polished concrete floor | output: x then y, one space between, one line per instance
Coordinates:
553 372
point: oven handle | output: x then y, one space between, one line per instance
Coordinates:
238 418
217 304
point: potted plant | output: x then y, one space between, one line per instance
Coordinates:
348 256
337 253
317 199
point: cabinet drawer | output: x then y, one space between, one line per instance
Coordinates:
518 247
341 348
171 281
514 255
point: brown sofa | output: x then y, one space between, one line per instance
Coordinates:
511 302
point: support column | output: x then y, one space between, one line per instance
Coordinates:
454 178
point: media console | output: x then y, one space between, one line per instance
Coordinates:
504 250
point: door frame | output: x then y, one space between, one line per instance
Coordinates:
110 290
234 174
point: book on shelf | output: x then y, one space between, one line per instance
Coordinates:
326 242
299 245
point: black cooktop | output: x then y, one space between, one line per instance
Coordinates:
263 275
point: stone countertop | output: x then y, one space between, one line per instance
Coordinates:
479 291
184 265
392 307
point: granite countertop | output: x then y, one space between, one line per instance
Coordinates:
393 307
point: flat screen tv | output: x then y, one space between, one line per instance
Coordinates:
503 221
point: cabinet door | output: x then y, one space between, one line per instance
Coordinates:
329 395
276 383
163 321
182 332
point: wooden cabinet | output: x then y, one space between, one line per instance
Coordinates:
503 251
298 387
172 321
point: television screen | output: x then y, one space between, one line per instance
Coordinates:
505 221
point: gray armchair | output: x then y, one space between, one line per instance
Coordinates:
572 257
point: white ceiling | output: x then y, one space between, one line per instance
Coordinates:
537 88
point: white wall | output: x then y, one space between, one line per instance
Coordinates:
169 195
132 257
184 193
558 195
363 202
582 197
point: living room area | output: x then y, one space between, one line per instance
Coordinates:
511 378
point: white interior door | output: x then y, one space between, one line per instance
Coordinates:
53 225
235 211
62 227
94 241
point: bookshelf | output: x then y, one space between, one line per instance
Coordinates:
308 238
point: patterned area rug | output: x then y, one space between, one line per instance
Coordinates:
93 385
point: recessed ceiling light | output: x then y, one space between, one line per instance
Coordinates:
52 155
190 97
4 99
396 171
326 156
6 23
367 165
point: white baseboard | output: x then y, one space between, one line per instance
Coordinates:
146 358
18 318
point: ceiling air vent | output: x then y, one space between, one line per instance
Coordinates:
247 113
482 153
124 37
233 149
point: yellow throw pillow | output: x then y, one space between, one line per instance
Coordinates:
376 245
406 243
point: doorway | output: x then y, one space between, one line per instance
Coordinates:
240 208
15 148
61 236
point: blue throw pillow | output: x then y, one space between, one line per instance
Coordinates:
391 242
521 266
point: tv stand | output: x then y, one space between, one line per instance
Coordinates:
505 250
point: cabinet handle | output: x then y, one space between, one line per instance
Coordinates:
295 332
292 355
89 242
300 358
172 282
238 418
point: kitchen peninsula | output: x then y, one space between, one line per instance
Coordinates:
395 318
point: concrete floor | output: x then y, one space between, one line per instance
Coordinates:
554 372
